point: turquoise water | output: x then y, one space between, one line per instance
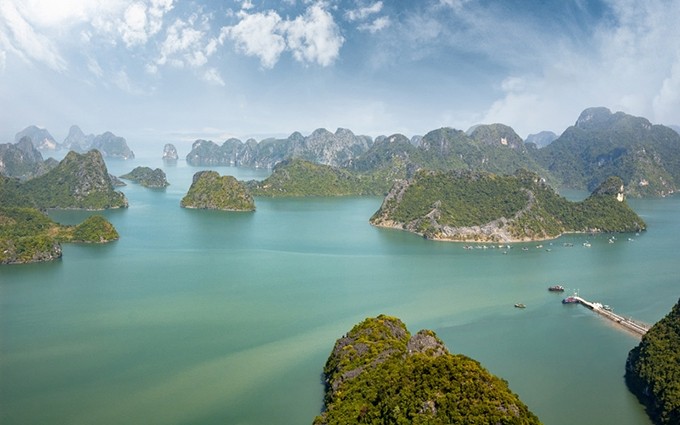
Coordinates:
227 318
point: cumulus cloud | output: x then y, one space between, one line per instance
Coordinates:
183 43
313 37
259 34
141 21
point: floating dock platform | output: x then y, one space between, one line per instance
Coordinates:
627 323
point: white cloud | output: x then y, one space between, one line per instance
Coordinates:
312 37
633 65
258 34
141 21
666 103
212 76
133 28
181 38
20 37
364 12
376 25
3 60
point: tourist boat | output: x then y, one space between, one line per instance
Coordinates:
556 288
520 305
570 300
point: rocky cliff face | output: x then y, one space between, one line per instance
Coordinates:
21 160
541 139
209 190
77 141
40 137
321 146
112 146
170 152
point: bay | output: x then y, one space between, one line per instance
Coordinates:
227 318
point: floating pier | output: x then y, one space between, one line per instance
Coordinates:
627 323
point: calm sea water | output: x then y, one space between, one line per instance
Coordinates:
200 317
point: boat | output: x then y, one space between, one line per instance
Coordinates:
570 300
520 305
556 288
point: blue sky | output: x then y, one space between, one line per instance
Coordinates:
174 71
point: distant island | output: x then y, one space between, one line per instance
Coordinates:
170 153
209 190
653 369
484 207
379 373
599 145
145 176
110 145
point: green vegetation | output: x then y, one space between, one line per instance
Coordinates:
601 144
379 374
298 177
79 181
459 205
147 177
95 229
209 190
653 369
27 235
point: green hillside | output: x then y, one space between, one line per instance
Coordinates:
653 369
475 206
209 190
602 144
379 373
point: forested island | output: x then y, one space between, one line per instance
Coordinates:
209 190
378 373
147 177
77 182
600 144
29 236
484 207
653 369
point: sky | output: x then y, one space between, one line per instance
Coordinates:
178 70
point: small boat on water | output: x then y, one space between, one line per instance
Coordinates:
556 288
570 300
520 305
